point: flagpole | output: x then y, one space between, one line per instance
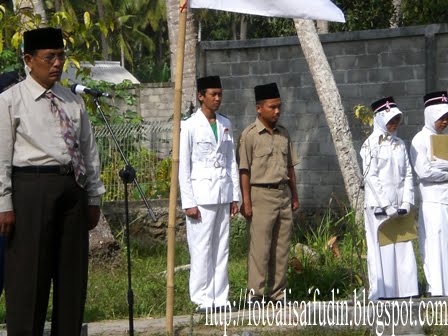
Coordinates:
171 232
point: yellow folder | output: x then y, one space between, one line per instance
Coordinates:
439 146
398 229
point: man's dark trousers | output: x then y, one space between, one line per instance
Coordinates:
49 244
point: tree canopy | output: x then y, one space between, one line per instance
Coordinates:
135 31
359 14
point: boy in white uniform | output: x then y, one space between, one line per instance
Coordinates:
209 186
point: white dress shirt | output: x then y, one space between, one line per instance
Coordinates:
30 135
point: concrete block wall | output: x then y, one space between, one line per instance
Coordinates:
155 101
367 65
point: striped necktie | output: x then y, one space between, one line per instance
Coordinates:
69 135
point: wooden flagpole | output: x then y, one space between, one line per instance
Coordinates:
171 233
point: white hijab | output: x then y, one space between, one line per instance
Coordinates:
381 119
432 114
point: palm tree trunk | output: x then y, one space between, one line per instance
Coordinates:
243 27
189 74
104 44
397 13
57 5
34 6
322 27
334 112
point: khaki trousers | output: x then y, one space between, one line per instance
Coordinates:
270 235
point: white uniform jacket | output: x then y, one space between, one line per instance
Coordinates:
387 172
208 173
433 182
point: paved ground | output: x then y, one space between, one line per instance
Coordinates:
250 322
141 326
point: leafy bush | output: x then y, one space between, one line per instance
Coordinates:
153 174
364 14
419 12
330 257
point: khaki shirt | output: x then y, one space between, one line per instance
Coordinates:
267 157
30 135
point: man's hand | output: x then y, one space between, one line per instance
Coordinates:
233 209
295 204
246 210
93 216
193 213
7 221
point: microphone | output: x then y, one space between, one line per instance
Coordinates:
78 89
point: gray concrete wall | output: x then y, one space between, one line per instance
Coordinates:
155 101
367 65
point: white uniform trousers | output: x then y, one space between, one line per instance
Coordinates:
208 242
392 268
433 238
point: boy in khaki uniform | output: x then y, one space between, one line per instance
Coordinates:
268 187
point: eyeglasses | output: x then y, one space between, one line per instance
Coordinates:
51 58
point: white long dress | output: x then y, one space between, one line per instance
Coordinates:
388 180
433 214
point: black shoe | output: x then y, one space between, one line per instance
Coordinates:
280 302
222 309
261 300
203 310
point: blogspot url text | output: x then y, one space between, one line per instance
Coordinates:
359 312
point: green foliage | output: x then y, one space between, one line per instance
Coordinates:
119 110
359 15
215 25
107 283
261 27
80 41
419 12
78 37
107 290
135 29
106 299
377 14
10 37
149 168
364 14
328 265
365 116
239 237
150 70
10 61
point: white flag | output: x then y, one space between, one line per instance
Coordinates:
304 9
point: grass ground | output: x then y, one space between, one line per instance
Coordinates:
340 269
324 272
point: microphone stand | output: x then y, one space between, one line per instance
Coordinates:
127 175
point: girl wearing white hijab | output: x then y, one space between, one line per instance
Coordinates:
433 185
389 192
